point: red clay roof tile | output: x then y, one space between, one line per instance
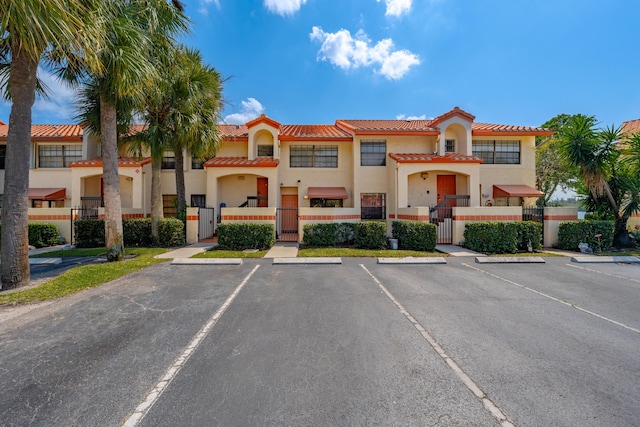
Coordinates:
434 158
233 162
631 126
122 162
386 126
293 132
487 129
61 132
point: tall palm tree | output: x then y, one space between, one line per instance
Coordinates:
128 61
181 112
34 32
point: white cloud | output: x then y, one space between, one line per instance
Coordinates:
59 105
204 6
397 7
251 108
347 51
405 117
284 7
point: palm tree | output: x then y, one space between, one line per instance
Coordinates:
611 182
181 112
34 32
128 62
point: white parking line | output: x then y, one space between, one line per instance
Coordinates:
604 274
584 310
488 404
143 408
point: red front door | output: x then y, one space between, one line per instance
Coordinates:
446 186
263 192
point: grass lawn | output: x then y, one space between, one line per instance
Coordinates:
84 277
222 253
352 252
523 254
97 252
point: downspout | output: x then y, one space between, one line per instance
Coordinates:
396 204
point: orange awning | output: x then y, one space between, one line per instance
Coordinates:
327 193
47 193
515 191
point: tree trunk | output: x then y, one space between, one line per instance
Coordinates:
157 211
180 189
113 234
620 232
15 207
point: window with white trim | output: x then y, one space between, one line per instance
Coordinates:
58 156
169 160
506 152
373 152
313 156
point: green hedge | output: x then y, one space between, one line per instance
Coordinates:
491 237
241 236
89 233
570 233
370 234
413 235
42 234
529 231
331 234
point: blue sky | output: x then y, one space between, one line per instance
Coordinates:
505 61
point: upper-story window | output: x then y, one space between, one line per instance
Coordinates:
313 156
498 152
373 153
58 156
450 146
265 150
169 160
3 153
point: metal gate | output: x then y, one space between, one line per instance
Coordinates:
442 217
84 212
287 224
206 223
534 213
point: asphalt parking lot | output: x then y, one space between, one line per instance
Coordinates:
356 343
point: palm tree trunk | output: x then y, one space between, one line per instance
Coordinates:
620 232
113 233
15 207
180 189
156 198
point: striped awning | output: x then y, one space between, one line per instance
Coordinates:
47 193
327 193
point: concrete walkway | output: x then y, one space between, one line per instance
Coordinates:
457 251
283 250
187 251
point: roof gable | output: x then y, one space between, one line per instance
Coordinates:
263 119
456 112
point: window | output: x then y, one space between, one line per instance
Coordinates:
265 150
3 153
450 146
58 156
372 206
373 153
199 200
169 160
169 205
196 163
326 203
498 152
313 156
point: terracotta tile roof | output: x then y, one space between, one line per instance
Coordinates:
456 111
263 119
234 131
631 126
123 162
434 158
487 129
387 126
49 132
235 162
331 132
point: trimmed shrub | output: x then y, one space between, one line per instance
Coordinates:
170 232
43 234
89 233
137 232
570 233
529 231
241 236
491 237
370 234
413 235
331 234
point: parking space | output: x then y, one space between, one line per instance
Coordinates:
354 343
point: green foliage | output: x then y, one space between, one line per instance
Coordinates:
43 234
370 234
89 233
331 234
491 237
570 233
417 236
529 231
240 236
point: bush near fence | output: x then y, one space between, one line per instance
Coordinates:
241 236
370 234
89 233
571 233
503 237
413 235
529 232
328 235
42 234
